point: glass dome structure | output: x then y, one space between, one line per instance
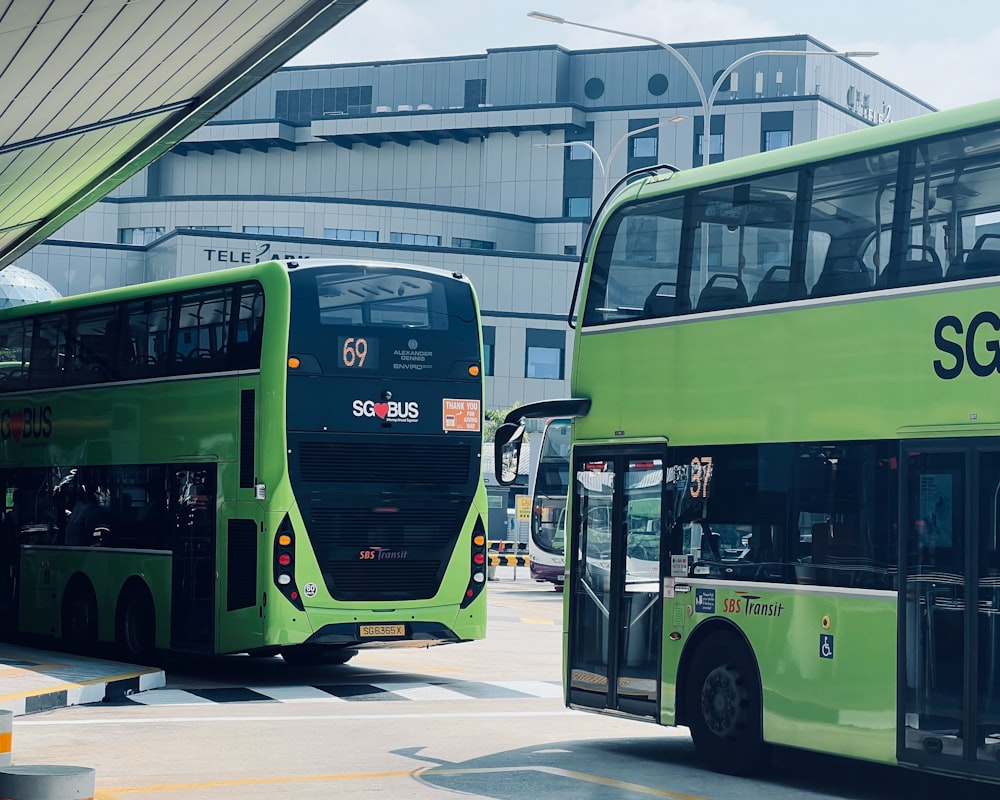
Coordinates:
19 287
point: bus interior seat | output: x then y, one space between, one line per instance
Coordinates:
660 305
978 263
776 286
722 291
911 272
834 282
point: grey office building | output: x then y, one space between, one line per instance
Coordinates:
450 162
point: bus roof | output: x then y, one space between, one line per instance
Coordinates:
204 279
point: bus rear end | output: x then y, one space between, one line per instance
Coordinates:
384 430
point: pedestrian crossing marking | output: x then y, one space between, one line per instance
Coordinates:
443 691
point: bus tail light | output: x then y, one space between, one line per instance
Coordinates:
477 578
284 564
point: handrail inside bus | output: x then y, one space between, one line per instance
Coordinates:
670 169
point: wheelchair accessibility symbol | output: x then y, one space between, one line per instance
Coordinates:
826 645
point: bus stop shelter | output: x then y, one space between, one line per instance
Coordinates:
94 90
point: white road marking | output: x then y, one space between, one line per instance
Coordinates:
296 694
235 718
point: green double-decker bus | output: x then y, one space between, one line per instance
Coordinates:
785 385
284 457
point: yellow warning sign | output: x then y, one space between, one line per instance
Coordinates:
523 508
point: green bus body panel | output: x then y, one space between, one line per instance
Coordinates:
45 572
845 704
857 368
195 419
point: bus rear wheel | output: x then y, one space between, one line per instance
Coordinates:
723 706
136 625
79 616
312 655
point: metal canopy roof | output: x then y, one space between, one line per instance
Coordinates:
94 90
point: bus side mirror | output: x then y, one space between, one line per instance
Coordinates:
507 452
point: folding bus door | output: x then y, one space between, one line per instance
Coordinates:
615 605
949 607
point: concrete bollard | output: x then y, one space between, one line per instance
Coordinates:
6 736
47 782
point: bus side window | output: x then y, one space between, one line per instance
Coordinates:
147 322
201 340
246 340
15 349
48 352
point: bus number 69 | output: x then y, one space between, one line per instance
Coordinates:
355 351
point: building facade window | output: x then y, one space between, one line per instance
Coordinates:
569 249
274 230
579 152
475 92
728 85
489 349
716 144
419 239
716 139
350 235
219 228
594 88
775 130
545 354
773 140
578 207
302 106
657 84
644 146
472 244
140 236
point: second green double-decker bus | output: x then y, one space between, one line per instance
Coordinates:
277 458
786 372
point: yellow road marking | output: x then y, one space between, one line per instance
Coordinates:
538 621
112 794
424 774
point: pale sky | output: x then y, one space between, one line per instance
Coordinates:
947 54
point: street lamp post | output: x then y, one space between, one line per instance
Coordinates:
605 165
706 99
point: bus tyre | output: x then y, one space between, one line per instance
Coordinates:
79 615
312 655
136 625
723 706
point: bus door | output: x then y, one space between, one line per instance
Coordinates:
193 579
615 605
949 618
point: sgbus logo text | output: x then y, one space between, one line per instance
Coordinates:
391 410
951 338
26 423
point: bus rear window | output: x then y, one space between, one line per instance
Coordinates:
380 319
384 298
